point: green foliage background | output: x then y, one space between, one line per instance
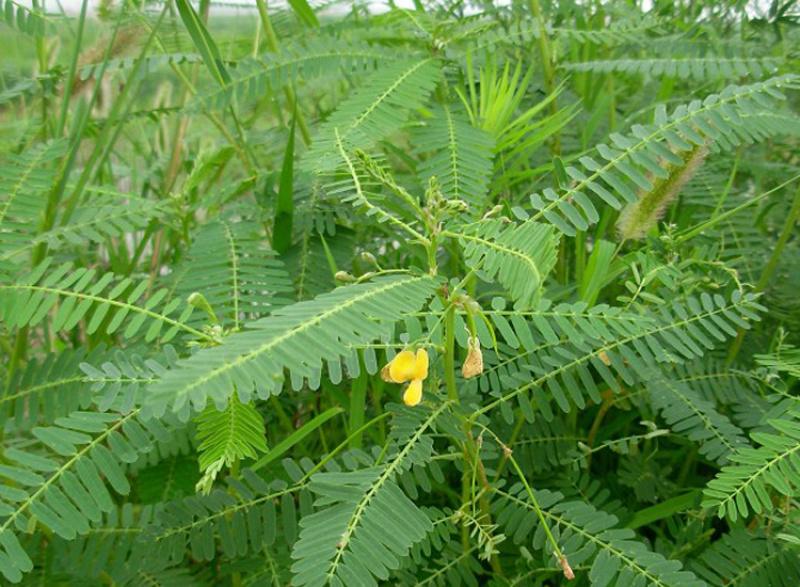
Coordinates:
217 229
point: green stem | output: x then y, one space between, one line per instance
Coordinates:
449 354
114 123
432 246
509 455
18 354
73 65
464 499
732 212
536 507
724 196
788 229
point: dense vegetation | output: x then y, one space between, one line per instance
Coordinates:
346 294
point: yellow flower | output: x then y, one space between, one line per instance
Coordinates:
407 366
413 393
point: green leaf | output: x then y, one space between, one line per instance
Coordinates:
298 338
747 559
29 300
519 256
235 270
374 111
664 509
461 157
204 43
740 487
689 414
573 210
593 536
72 493
365 522
304 13
227 437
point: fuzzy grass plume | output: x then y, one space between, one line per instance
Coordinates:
639 217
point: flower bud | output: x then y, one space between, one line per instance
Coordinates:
200 302
369 258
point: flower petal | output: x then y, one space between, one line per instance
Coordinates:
421 365
413 393
401 369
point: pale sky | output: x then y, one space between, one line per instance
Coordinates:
755 7
74 6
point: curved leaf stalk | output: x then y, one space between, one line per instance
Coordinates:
508 455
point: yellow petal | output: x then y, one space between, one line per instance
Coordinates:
421 365
401 369
413 393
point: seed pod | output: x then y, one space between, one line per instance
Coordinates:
473 364
568 573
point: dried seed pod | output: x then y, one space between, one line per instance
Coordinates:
473 364
566 568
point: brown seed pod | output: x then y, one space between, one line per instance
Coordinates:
473 364
568 573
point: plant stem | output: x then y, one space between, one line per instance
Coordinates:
608 401
509 455
725 215
536 507
449 354
788 229
73 65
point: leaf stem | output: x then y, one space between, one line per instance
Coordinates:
509 455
